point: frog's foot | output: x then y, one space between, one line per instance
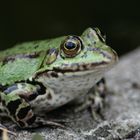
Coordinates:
96 106
95 100
4 129
39 122
94 103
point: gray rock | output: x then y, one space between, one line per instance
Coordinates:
122 110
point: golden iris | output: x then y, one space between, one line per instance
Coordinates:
71 46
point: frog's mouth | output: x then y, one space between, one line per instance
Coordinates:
110 60
80 67
76 68
101 67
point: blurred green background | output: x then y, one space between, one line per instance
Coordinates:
25 20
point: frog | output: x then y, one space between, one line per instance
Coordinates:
40 76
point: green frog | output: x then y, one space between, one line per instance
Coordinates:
43 75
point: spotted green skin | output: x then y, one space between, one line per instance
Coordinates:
32 61
24 68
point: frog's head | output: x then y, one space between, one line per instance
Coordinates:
75 63
87 52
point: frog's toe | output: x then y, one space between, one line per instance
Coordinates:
96 107
40 122
5 130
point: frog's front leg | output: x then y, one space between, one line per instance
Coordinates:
94 100
16 100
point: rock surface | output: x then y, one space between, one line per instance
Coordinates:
122 110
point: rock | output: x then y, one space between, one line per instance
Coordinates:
122 110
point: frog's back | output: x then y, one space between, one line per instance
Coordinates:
22 61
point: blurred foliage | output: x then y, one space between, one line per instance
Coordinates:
37 137
22 20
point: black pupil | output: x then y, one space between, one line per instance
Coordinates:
70 45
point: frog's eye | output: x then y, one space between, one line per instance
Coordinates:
71 46
101 36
